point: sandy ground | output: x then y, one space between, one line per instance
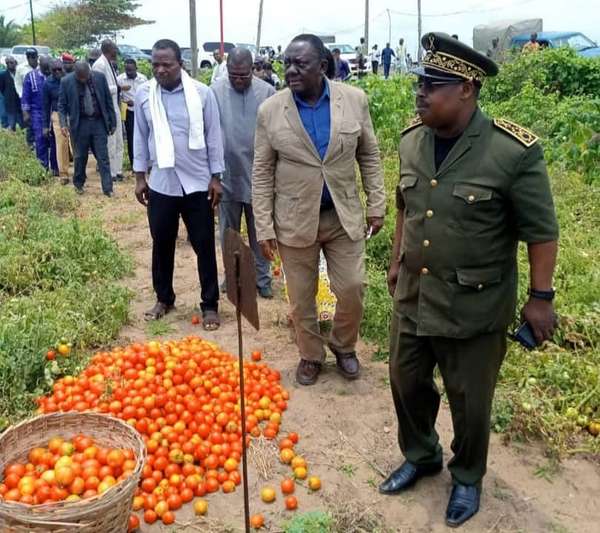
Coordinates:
345 426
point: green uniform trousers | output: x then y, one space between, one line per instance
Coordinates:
469 369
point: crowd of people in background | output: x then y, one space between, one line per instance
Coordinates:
71 107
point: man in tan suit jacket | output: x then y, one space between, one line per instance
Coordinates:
309 138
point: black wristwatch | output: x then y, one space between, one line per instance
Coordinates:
542 295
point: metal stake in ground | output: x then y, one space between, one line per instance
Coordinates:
240 277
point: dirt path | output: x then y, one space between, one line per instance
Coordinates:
343 424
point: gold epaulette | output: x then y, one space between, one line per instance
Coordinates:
416 121
522 135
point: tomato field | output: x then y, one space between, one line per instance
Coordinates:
74 279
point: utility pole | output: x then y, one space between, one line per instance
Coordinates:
367 24
419 30
222 48
260 13
193 38
389 26
32 21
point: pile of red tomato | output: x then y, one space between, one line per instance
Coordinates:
183 398
67 470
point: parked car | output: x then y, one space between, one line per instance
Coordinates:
205 60
348 52
18 52
128 51
248 46
555 39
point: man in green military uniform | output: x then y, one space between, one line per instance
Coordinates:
470 189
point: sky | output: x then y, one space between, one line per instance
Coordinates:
283 19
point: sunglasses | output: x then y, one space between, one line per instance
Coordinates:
240 77
430 86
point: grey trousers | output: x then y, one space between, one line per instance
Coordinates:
230 216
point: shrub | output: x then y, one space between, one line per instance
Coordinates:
16 159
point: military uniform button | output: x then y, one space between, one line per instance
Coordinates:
426 243
424 271
480 286
429 213
471 198
434 183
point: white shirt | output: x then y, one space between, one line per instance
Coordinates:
103 65
128 96
22 70
193 168
375 55
219 71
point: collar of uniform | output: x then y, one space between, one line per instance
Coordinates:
324 95
473 129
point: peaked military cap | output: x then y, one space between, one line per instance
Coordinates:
447 58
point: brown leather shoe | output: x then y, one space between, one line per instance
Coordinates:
308 372
347 364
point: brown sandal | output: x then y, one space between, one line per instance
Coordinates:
158 311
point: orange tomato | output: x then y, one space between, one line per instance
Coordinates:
134 522
291 503
200 507
64 475
257 521
168 518
288 486
150 516
115 458
314 483
161 508
268 495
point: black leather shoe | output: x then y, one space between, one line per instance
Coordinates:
347 363
406 476
463 504
308 372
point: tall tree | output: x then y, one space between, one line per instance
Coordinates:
83 22
9 33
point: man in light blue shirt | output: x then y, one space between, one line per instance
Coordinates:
190 189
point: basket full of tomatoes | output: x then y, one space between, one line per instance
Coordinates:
69 472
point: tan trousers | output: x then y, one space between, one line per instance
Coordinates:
62 147
346 269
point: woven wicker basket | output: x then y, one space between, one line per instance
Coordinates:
106 513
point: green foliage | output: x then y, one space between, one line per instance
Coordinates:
311 522
554 70
552 392
392 104
76 23
16 160
57 279
9 33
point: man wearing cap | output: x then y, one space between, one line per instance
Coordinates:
31 54
68 62
470 189
32 104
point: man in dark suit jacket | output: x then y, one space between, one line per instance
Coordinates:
86 112
12 102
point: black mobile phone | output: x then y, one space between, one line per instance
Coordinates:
524 335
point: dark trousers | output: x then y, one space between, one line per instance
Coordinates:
14 119
198 217
386 70
375 66
91 133
129 124
469 369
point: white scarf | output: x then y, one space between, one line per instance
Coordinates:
163 140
